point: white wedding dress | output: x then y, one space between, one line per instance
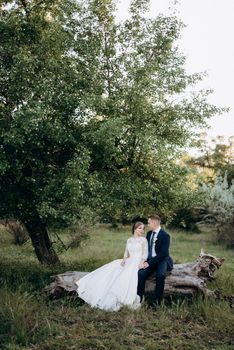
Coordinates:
111 286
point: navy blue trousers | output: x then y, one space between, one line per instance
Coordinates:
160 271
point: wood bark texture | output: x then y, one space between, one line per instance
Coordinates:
186 280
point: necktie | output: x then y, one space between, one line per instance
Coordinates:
151 244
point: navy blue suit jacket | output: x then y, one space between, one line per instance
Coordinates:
162 245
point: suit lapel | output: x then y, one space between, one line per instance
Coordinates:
148 236
158 237
159 233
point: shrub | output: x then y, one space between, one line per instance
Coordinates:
221 207
186 219
18 230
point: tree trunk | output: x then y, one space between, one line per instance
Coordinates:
186 280
41 242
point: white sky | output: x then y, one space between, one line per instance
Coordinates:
208 44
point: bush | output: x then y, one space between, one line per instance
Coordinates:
221 207
18 230
186 219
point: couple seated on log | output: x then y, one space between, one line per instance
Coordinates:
122 281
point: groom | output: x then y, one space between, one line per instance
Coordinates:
158 262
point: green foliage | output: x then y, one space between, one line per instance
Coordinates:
92 113
186 219
215 159
43 164
221 207
211 175
143 119
188 208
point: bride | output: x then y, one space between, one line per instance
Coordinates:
115 284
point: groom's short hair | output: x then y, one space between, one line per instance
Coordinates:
155 217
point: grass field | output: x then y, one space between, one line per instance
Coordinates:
29 320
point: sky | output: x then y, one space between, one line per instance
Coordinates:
207 42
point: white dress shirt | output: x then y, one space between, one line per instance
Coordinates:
155 238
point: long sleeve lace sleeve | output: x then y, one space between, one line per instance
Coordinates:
126 252
144 250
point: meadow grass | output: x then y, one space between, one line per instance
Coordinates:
29 320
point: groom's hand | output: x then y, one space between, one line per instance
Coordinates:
145 265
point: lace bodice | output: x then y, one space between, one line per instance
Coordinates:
137 248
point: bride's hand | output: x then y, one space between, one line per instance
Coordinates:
123 262
141 266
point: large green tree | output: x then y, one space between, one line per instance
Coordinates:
145 112
92 113
43 164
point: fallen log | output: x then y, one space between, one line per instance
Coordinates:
187 280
